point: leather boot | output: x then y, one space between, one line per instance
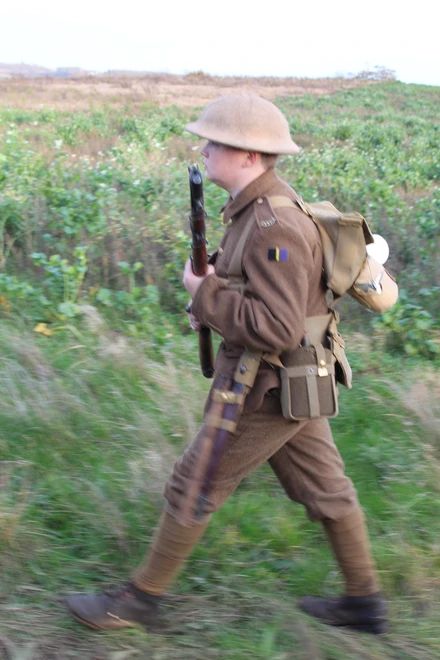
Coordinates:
121 607
365 613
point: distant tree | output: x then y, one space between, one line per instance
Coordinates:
379 73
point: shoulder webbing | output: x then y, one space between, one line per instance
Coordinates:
282 201
235 271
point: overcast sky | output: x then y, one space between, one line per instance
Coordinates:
311 38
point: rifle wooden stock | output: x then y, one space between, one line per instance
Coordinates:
199 260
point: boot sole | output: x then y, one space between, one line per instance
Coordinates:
94 626
374 625
379 629
119 624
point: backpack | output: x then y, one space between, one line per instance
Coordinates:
347 268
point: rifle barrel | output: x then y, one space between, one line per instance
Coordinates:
200 260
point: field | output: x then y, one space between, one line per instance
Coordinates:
195 89
101 389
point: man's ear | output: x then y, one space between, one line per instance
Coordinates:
251 159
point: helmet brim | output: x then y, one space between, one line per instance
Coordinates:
260 145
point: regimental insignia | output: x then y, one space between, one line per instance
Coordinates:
277 254
268 223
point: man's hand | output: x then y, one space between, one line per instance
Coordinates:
193 320
192 282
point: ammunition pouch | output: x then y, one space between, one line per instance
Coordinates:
308 387
310 373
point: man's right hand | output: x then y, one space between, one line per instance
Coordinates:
193 320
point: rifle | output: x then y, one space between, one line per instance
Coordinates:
199 260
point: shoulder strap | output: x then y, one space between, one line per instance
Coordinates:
282 201
235 270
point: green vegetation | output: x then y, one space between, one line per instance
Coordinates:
112 182
101 389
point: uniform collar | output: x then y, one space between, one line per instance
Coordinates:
257 188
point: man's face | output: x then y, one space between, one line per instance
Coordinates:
223 165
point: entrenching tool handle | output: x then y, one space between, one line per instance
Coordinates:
200 260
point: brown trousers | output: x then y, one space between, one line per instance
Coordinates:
302 455
308 465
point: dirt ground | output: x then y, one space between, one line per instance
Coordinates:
195 89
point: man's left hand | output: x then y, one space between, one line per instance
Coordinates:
192 282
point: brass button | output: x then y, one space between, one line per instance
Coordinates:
260 200
322 363
220 252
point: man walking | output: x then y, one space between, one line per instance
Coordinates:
282 264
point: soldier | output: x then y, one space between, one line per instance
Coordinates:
282 262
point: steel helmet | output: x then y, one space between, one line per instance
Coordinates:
245 121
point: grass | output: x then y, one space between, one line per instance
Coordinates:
94 415
90 426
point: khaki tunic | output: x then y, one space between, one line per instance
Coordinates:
279 294
270 317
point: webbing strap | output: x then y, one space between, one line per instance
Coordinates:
320 354
247 368
309 370
312 393
225 396
221 423
282 201
235 271
272 359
